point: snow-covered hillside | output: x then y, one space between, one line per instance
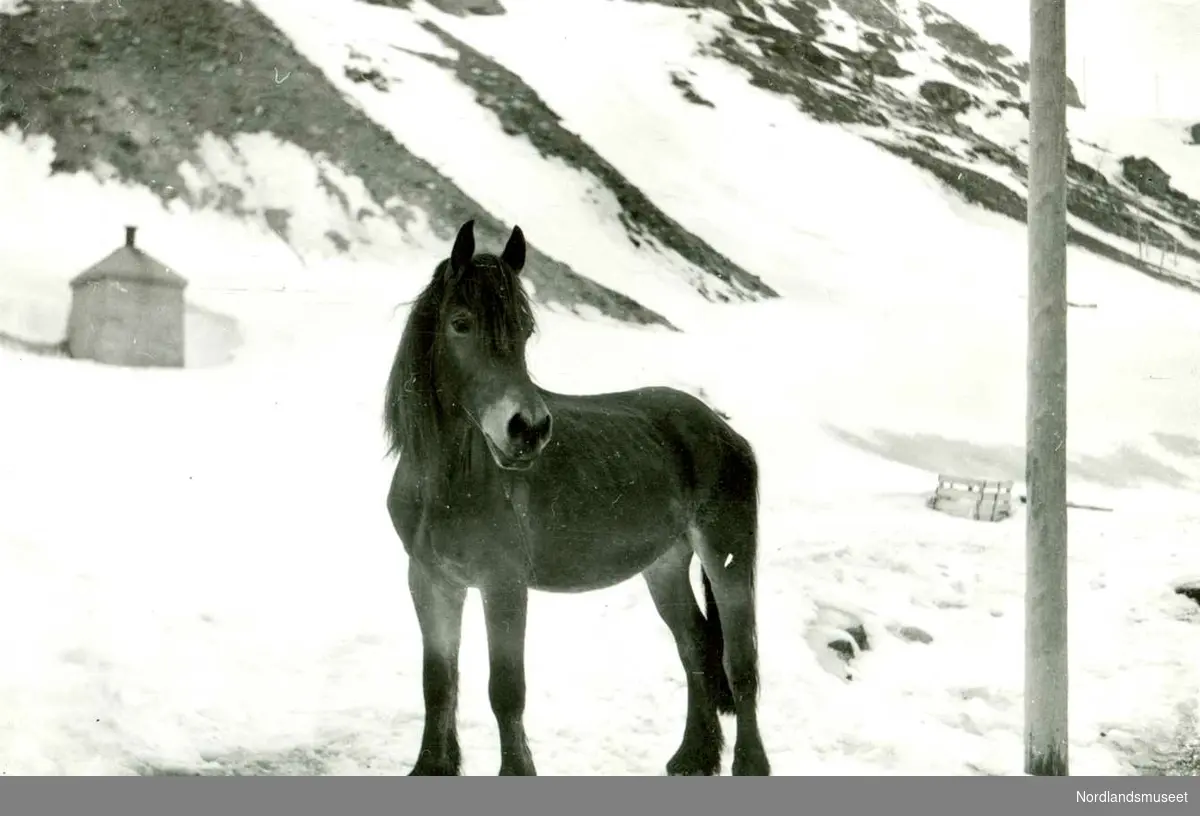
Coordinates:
201 566
1133 59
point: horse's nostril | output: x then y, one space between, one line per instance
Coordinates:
526 433
517 426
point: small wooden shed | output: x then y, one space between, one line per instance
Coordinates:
128 310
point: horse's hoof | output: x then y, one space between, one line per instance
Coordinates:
691 765
517 772
758 766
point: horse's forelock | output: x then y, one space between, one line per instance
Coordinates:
492 292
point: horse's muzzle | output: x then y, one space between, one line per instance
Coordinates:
517 430
512 462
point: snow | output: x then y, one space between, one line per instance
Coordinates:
225 260
319 197
509 176
1164 140
200 561
1128 58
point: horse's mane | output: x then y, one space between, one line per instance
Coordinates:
416 424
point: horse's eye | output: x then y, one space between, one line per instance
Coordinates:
461 325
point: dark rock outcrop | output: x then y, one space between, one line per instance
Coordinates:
462 8
947 99
1146 176
1189 590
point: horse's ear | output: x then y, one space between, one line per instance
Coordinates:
464 247
514 250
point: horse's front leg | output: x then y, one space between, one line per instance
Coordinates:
439 606
504 610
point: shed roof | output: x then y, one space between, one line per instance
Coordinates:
129 263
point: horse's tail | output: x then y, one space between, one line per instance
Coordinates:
714 650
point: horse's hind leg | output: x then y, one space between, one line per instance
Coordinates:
699 753
727 547
439 608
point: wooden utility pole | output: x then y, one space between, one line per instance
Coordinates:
1046 398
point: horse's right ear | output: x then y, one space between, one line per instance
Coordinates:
464 247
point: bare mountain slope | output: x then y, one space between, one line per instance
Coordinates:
132 89
926 87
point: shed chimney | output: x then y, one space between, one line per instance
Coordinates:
129 234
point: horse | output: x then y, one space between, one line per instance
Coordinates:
505 487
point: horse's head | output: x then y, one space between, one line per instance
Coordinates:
484 322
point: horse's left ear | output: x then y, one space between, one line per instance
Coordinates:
464 247
514 250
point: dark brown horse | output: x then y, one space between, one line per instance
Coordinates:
505 487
